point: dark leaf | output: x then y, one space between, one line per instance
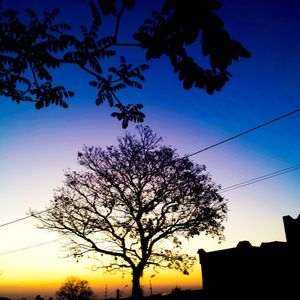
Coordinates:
188 82
39 104
107 6
99 100
244 52
65 104
96 15
190 35
125 123
215 5
144 38
93 83
129 4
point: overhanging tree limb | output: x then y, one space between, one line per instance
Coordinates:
169 31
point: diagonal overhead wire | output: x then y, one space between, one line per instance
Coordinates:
24 218
223 190
251 181
30 247
260 178
244 132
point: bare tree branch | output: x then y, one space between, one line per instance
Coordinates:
134 203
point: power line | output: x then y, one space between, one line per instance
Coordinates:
24 218
194 153
30 247
243 133
15 221
260 178
276 173
224 190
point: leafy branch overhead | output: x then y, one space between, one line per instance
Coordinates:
31 50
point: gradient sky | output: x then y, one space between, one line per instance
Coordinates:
36 147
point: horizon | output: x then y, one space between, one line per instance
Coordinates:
46 292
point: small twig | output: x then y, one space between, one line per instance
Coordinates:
128 44
119 15
33 74
29 100
114 95
91 72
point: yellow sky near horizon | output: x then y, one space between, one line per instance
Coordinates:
164 282
42 269
22 283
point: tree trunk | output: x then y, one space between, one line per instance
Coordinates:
137 292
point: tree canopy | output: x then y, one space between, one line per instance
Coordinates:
133 204
75 289
30 51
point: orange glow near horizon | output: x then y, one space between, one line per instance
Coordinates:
29 286
42 270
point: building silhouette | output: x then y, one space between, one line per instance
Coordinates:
270 271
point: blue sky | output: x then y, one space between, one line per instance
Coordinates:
37 146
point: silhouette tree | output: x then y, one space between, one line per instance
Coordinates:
75 289
134 204
31 50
